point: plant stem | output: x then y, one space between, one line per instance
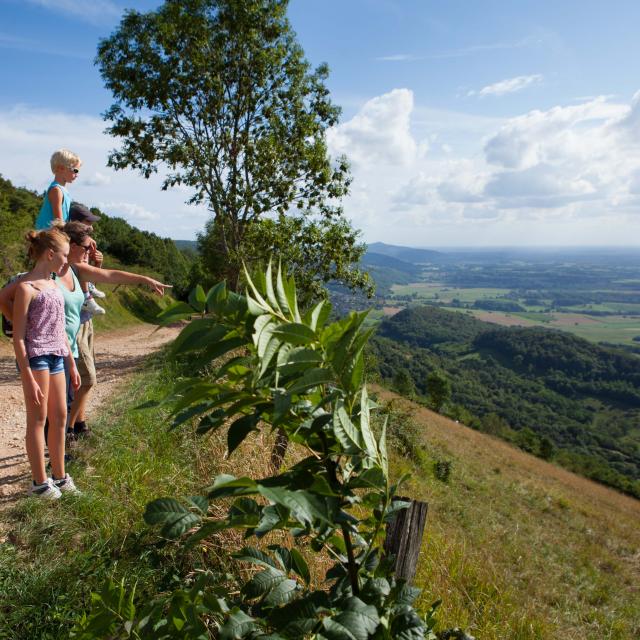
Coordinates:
353 567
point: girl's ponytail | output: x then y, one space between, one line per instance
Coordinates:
40 241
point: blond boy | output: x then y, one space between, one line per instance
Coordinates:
57 201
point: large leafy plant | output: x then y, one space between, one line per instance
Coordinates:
297 373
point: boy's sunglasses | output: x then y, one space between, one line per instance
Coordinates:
75 170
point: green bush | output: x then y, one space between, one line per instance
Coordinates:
300 375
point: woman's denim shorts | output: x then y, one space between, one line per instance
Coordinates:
55 364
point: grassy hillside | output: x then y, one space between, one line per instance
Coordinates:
546 385
516 548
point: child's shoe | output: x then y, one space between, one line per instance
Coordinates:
81 430
47 490
96 293
66 485
92 307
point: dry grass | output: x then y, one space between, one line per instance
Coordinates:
518 548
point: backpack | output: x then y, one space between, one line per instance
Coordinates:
7 325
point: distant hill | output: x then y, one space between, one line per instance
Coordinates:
537 387
406 254
189 245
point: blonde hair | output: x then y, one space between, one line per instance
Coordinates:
64 158
41 241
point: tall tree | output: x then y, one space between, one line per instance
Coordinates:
219 93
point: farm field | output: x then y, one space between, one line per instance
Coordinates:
591 294
614 329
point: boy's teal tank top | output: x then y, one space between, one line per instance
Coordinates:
45 217
73 301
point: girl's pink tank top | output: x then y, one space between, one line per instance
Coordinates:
45 324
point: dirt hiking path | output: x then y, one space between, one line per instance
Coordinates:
118 355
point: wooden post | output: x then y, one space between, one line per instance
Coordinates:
404 538
279 450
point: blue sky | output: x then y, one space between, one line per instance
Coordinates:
466 123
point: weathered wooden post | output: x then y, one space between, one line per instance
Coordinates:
404 538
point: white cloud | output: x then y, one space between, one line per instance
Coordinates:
542 177
130 211
398 57
93 11
511 85
97 179
379 132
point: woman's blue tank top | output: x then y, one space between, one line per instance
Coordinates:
45 217
73 301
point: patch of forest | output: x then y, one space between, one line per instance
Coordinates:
552 393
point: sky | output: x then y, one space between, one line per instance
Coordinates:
492 123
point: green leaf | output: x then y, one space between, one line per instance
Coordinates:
406 624
382 448
201 503
225 485
365 426
300 566
270 350
216 350
271 296
303 505
373 478
216 297
311 378
272 516
346 432
198 392
256 294
280 293
258 326
237 626
282 593
197 334
177 311
187 414
295 333
239 430
319 314
175 518
197 298
244 512
262 582
255 556
332 630
360 620
290 292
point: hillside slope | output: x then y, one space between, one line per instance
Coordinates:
518 548
528 385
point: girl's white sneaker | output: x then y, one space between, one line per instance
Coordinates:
46 490
66 485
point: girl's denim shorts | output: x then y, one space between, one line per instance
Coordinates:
55 364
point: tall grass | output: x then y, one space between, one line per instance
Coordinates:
518 548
